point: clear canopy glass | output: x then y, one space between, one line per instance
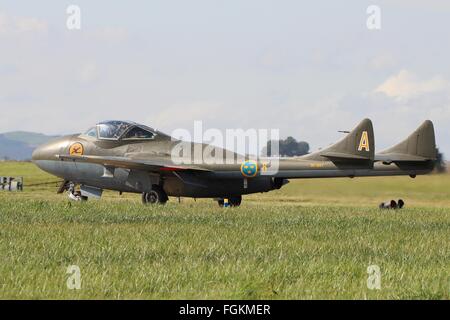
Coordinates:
138 133
115 130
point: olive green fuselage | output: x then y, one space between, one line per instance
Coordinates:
216 179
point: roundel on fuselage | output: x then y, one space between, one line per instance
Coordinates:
76 149
249 168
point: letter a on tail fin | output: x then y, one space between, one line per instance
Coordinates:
359 144
364 142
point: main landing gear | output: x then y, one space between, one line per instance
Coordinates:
232 201
156 196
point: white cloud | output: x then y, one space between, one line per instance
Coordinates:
406 85
13 25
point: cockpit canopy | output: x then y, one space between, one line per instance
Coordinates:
120 130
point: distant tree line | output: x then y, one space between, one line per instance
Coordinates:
441 166
288 147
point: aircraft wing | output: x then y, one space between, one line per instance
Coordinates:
158 165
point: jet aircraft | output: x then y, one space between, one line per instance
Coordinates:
130 157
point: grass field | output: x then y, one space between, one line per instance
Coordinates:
312 239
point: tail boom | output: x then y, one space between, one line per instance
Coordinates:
328 169
354 156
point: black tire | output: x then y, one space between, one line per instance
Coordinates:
156 196
232 201
235 201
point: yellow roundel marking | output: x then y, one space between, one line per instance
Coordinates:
76 149
249 168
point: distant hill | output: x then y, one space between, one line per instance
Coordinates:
19 145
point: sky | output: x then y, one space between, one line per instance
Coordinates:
307 68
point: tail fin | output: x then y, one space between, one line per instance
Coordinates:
419 146
359 144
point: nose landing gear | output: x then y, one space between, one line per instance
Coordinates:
73 194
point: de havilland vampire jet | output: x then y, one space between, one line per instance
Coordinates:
129 157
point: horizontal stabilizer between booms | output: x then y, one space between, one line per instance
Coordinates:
419 146
340 155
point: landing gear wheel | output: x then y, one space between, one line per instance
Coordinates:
232 201
235 201
73 194
155 196
76 196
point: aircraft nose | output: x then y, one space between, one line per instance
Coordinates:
45 156
43 152
41 156
37 154
50 150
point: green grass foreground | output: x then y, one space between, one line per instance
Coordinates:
313 239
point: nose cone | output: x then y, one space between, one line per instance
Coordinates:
50 150
46 151
37 154
45 156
